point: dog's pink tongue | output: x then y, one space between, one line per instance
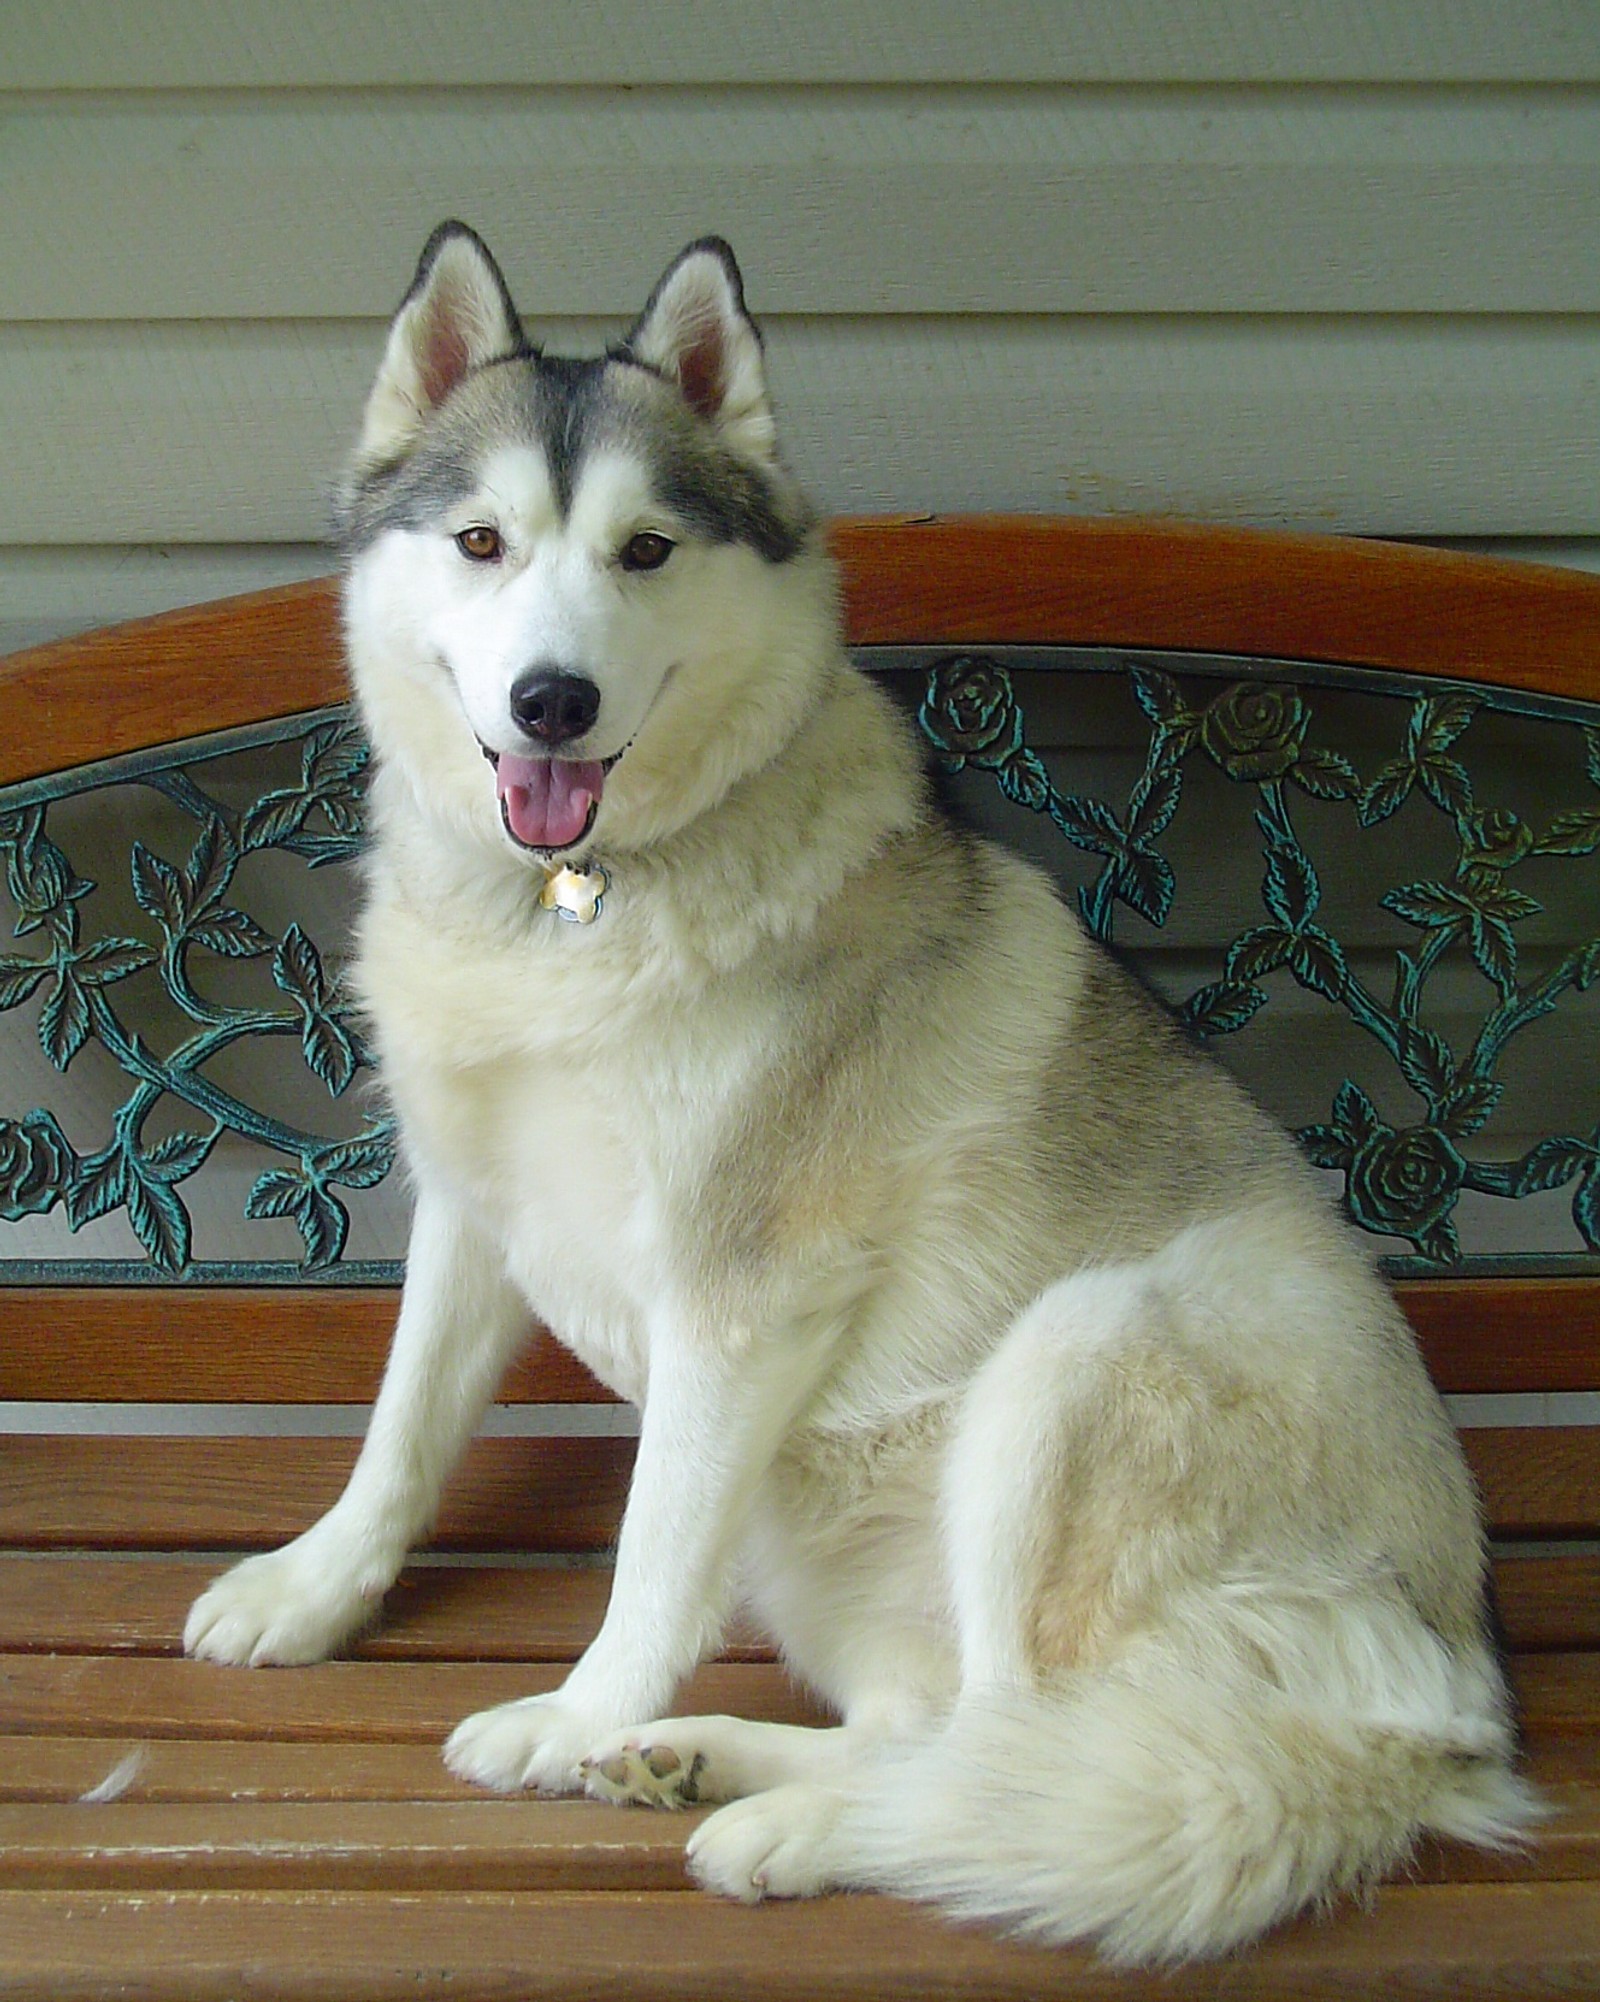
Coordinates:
546 801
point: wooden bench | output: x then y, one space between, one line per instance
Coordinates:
294 1832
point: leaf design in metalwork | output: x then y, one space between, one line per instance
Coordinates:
358 1164
333 764
159 890
1325 775
1481 908
1427 1061
303 1192
18 979
323 1220
329 1048
1024 779
1291 894
65 1018
1435 724
1575 833
1222 1007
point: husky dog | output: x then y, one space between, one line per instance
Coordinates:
989 1343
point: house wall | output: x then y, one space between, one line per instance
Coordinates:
1330 264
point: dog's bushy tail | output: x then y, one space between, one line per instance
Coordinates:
1181 1803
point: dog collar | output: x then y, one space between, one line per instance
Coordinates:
577 895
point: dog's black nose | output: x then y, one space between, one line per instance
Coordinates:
554 707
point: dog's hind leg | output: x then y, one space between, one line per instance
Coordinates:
460 1320
1081 1482
1039 1450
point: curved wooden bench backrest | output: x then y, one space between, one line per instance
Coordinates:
986 580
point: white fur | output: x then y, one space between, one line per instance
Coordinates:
1136 1554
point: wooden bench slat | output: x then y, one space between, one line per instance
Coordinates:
76 1604
1558 1695
1418 1941
1498 1335
324 1345
135 1605
89 1605
397 1701
502 1845
46 1767
1538 1480
1549 1603
230 1345
65 1491
1028 580
483 1845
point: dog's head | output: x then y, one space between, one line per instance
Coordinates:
584 554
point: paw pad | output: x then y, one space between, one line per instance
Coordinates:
645 1776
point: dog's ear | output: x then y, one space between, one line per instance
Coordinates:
695 331
457 315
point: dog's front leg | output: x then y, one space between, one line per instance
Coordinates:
459 1322
715 1412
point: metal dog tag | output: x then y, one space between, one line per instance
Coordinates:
574 894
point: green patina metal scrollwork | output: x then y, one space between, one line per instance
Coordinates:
1402 1178
191 914
1399 1180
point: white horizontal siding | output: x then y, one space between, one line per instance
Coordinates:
1448 427
1331 263
172 43
48 591
849 203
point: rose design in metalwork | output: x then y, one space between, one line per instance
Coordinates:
35 1162
969 711
1496 839
1406 1183
1255 730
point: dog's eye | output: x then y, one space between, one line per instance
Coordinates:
481 544
646 551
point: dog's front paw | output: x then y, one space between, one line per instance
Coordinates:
777 1844
539 1742
294 1605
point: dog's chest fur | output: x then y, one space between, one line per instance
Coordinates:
578 1129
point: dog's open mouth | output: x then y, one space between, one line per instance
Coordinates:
548 803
